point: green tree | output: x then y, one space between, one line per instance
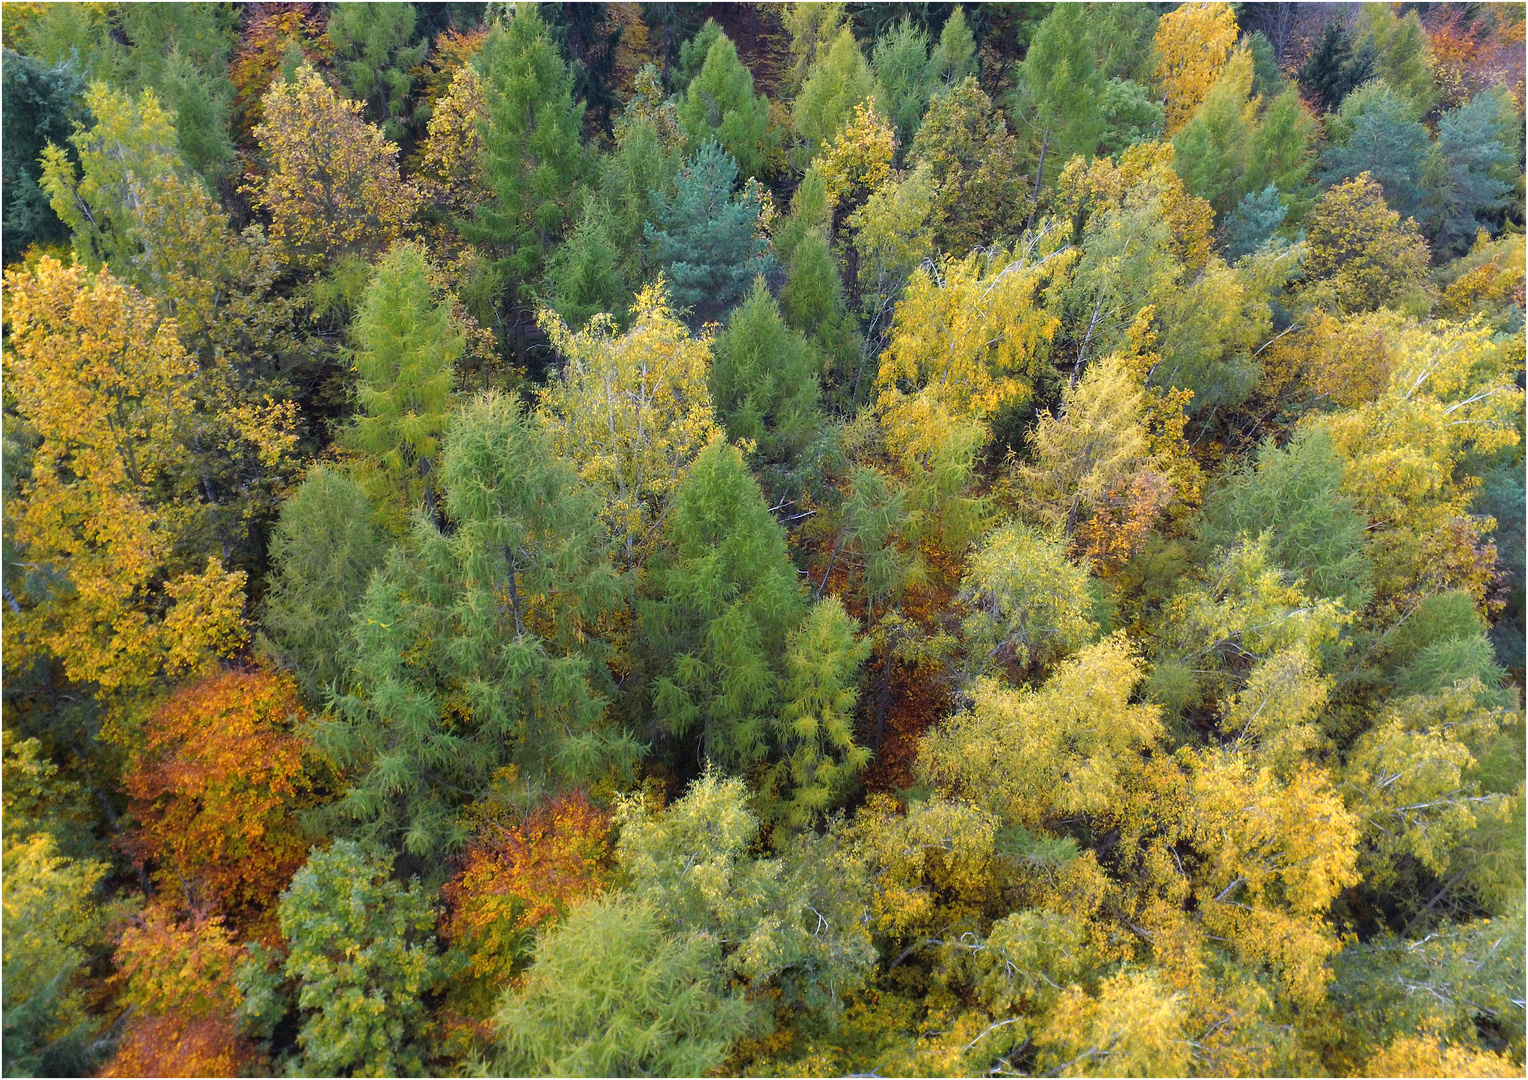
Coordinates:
473 647
583 275
322 555
376 60
41 107
1333 68
1476 142
954 58
819 759
1379 132
1256 218
764 378
1064 84
905 76
1294 496
407 344
704 238
975 165
613 993
837 81
720 104
720 599
363 956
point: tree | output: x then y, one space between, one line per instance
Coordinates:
975 163
954 58
473 647
631 412
1476 142
1362 256
1210 151
1401 55
323 551
407 342
905 76
1192 44
216 787
837 81
764 378
532 147
1378 133
612 993
819 759
40 107
363 957
706 240
183 999
1133 1027
1029 604
1032 755
376 60
1065 84
1255 221
105 387
813 29
721 596
583 276
331 182
720 104
450 170
1332 70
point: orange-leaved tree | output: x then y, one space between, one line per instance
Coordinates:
214 789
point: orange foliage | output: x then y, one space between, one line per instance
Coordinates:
449 53
272 31
181 990
1470 50
214 789
1122 520
520 876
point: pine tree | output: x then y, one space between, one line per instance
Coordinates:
721 599
1476 142
407 344
373 53
1255 220
1379 133
705 239
720 104
764 378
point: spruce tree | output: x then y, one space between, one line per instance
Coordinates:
764 378
473 647
41 104
720 104
1379 132
706 240
376 57
719 603
1334 69
1476 141
407 343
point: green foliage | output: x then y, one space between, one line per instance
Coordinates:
1065 84
1378 132
363 956
41 106
764 378
819 759
720 599
376 60
720 104
1257 217
975 166
1295 498
322 554
905 73
472 648
705 239
1477 141
583 275
614 993
407 343
839 80
1333 68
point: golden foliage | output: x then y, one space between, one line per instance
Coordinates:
1192 44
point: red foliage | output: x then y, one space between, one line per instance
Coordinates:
214 789
270 30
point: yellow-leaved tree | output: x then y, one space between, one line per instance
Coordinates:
104 385
632 411
1192 45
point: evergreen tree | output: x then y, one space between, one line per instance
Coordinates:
1476 141
1257 217
363 957
40 106
407 344
1333 69
1379 132
720 601
583 276
839 80
376 60
905 74
1064 85
764 378
705 239
720 104
322 554
1294 498
954 58
473 649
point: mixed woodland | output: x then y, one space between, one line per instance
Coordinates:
665 539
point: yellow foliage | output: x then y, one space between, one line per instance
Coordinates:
451 161
1144 174
1427 1055
860 157
632 411
1133 1027
1192 44
106 386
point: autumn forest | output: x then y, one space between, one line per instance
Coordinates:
763 539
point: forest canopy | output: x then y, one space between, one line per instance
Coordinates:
763 539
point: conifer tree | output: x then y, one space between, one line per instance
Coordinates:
40 107
407 344
839 80
583 275
721 599
1066 85
1476 141
1333 69
473 649
1378 132
905 76
764 378
954 58
705 239
720 104
376 60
